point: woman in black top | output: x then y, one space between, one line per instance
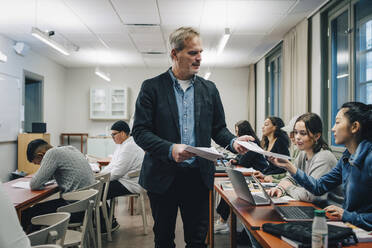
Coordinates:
249 159
274 140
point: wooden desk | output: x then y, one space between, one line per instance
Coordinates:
254 217
24 198
75 134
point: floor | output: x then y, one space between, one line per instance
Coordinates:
130 234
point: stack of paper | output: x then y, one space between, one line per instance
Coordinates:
22 185
209 153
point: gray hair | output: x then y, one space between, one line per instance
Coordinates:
178 37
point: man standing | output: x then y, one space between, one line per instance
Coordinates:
173 110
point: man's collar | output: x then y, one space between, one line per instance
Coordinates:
175 80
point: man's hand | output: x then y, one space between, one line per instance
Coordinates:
239 148
179 153
334 213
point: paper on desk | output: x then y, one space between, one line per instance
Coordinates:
255 148
22 185
209 153
94 167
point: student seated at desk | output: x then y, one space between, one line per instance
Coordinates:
315 159
126 160
67 165
11 233
354 170
249 160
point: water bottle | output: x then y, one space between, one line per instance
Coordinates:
319 237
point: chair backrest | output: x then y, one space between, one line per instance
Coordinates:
56 228
98 185
105 180
86 200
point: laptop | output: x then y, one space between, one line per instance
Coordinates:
291 213
242 190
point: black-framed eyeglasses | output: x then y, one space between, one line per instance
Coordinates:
113 134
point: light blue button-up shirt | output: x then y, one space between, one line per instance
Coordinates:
186 117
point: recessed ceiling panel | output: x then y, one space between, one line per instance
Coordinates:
137 11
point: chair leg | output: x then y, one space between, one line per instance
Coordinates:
144 216
98 228
107 221
91 236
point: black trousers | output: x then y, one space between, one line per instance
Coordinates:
191 196
117 189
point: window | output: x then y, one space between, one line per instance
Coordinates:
273 82
349 70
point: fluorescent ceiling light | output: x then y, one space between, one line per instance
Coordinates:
207 75
103 75
223 41
342 76
47 40
3 57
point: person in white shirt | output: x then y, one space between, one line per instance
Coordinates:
11 233
126 160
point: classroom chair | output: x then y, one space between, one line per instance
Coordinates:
55 230
105 180
140 196
85 201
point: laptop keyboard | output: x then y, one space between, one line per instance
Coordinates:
293 212
259 199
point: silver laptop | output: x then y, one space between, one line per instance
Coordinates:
291 213
242 190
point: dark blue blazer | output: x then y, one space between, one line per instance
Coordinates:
156 128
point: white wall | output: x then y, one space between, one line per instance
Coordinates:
315 84
53 93
232 85
261 101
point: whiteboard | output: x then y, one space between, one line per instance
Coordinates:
10 107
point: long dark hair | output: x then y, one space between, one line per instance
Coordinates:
314 125
245 128
278 133
362 113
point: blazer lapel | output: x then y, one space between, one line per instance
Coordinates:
197 107
172 101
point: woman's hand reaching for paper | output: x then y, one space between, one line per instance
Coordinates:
283 163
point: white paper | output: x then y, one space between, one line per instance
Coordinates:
94 167
243 169
255 148
209 153
22 185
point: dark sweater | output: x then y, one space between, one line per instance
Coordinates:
280 146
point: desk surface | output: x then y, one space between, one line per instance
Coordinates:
23 198
254 217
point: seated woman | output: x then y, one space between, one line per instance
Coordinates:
315 159
250 160
274 139
354 170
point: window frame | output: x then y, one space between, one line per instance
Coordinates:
275 55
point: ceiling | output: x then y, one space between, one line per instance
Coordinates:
134 32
